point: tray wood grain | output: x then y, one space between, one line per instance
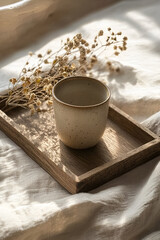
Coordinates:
125 145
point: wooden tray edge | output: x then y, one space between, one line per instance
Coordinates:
132 126
104 173
66 178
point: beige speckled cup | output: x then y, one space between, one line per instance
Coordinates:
81 108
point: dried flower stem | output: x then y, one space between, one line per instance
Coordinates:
75 57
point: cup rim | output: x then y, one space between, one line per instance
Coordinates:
79 106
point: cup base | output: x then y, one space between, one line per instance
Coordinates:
79 147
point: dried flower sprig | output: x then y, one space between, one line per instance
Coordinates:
33 88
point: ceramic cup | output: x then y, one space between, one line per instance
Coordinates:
81 108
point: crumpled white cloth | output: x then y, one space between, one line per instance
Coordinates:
32 204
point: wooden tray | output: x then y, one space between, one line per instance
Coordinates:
124 146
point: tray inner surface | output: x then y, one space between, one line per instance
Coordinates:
41 131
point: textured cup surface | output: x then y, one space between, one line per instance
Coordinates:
81 109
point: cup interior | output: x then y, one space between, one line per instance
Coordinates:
81 91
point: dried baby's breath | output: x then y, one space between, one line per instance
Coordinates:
76 57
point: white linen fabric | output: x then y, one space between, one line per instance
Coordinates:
32 204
